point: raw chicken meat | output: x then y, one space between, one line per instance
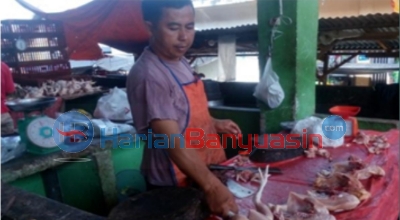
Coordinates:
241 160
305 207
244 176
367 172
57 88
314 151
375 144
335 191
340 201
346 177
262 211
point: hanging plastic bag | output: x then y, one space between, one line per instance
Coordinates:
114 106
269 89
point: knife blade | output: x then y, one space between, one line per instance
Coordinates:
271 170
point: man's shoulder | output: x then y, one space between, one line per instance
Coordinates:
147 67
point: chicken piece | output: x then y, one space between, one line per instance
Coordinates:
35 92
70 91
87 87
244 176
241 160
361 138
324 153
369 171
311 152
341 182
306 207
338 202
278 211
255 215
256 178
352 164
305 204
64 91
314 151
97 88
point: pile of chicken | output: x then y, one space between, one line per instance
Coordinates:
313 151
57 88
335 191
375 144
245 175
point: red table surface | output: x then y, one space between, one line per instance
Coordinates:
299 174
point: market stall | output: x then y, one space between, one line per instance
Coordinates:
110 172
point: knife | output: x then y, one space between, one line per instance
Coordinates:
271 170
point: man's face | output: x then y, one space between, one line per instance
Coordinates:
174 34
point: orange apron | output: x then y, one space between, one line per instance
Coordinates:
198 117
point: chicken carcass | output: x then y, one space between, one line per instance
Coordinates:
262 211
339 201
359 169
341 182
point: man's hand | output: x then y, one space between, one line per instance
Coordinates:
220 200
226 126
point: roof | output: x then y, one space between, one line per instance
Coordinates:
359 22
362 34
119 24
373 32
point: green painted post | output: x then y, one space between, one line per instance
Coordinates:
293 58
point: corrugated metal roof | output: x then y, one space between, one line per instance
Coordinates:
359 22
230 30
384 26
382 22
372 23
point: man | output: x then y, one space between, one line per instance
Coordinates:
167 98
7 87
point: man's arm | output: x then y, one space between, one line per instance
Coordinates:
220 200
186 159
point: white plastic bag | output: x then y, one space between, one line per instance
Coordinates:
314 126
269 89
114 106
104 127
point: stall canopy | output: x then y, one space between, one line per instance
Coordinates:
118 24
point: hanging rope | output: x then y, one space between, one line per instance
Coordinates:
275 33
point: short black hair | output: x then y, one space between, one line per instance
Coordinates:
152 9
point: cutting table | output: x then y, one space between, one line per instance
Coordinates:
299 174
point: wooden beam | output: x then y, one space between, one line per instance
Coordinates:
382 44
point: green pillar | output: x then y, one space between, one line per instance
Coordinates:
294 58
